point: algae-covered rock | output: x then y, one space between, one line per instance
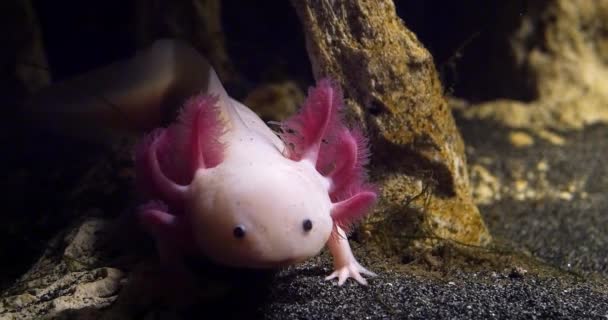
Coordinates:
392 88
275 101
557 52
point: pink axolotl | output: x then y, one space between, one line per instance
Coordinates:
225 185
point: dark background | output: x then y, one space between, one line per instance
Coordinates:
265 41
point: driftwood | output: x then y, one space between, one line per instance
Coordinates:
393 90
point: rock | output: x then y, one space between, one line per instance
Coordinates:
558 51
392 89
520 139
275 101
74 281
486 187
517 272
84 243
551 137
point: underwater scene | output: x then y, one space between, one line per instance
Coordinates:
304 159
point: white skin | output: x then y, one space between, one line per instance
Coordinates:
254 187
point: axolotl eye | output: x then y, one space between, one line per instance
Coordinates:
307 225
239 232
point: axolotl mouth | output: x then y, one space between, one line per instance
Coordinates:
265 262
275 264
200 262
287 262
270 265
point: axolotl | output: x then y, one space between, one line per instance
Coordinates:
223 184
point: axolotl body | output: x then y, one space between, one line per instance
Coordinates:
224 185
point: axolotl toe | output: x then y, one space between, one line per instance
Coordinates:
224 185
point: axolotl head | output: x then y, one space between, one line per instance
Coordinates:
261 216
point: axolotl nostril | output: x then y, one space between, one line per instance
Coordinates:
223 184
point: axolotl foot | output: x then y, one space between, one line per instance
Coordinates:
345 264
351 270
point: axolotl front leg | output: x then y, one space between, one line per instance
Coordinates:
345 264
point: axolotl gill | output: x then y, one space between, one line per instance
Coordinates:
221 183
